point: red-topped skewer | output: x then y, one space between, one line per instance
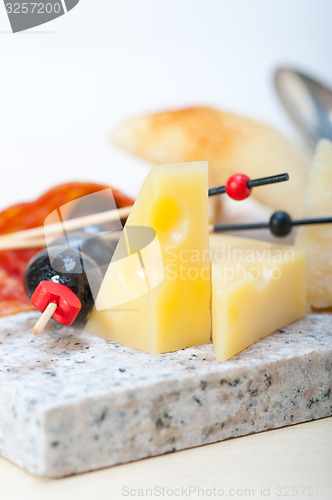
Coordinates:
239 186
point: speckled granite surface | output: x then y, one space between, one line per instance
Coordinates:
71 402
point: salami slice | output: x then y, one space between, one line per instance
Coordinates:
32 214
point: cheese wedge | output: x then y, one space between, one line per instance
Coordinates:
257 288
176 313
229 142
317 239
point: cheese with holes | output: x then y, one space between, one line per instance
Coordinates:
257 287
317 239
175 313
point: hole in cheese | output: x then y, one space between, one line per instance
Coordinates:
167 218
232 315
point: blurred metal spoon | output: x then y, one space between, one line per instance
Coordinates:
307 102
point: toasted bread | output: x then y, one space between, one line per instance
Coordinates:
230 144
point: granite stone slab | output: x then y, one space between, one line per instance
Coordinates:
71 402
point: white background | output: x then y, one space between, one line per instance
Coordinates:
66 84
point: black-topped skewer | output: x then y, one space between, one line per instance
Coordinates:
280 224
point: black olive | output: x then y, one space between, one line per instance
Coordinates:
67 266
101 251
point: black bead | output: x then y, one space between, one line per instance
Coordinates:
280 224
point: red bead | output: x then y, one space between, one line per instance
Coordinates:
237 187
68 303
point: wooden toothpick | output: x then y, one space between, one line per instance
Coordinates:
44 318
70 224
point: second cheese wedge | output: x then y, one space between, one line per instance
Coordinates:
316 239
175 314
257 288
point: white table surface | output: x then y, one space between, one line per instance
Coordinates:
65 85
291 462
